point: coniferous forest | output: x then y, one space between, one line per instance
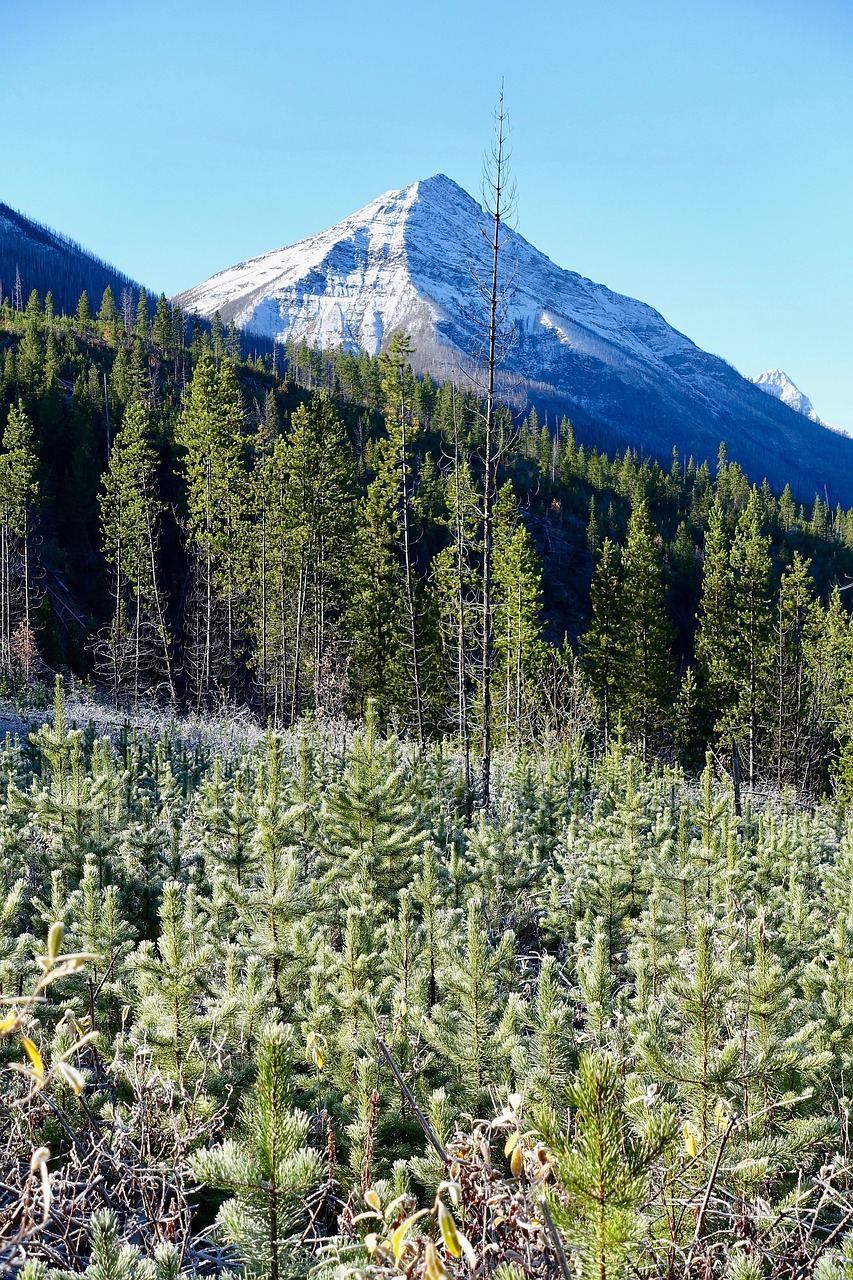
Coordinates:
513 934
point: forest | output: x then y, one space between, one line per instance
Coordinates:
303 531
510 933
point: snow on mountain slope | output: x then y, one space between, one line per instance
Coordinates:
777 383
612 363
409 256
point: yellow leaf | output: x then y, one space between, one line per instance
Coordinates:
10 1023
449 1234
689 1141
398 1239
35 1058
54 940
516 1163
435 1268
722 1115
71 1076
315 1044
371 1198
511 1143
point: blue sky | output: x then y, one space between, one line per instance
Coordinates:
695 154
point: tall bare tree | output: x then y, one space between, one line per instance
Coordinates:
496 293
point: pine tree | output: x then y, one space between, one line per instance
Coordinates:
715 634
473 978
605 1169
455 585
171 978
303 486
395 473
750 560
601 645
138 645
273 898
267 1167
210 431
792 696
375 610
646 634
517 604
18 495
371 829
551 1051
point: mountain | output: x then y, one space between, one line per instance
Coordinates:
623 375
44 260
777 383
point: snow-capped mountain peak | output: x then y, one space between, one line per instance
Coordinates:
412 258
777 383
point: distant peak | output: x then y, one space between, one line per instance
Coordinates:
775 382
774 378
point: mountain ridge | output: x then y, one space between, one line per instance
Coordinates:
46 260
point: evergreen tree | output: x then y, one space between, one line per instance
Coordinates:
473 978
303 486
646 634
18 495
267 1167
172 978
210 432
138 645
395 473
371 828
606 1168
750 560
517 604
601 645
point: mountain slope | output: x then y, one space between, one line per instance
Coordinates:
612 363
44 260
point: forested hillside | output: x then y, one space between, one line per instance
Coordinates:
303 531
33 256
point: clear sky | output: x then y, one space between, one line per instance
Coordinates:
696 154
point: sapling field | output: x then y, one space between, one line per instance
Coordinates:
285 1007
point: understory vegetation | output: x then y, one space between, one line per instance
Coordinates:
286 1008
